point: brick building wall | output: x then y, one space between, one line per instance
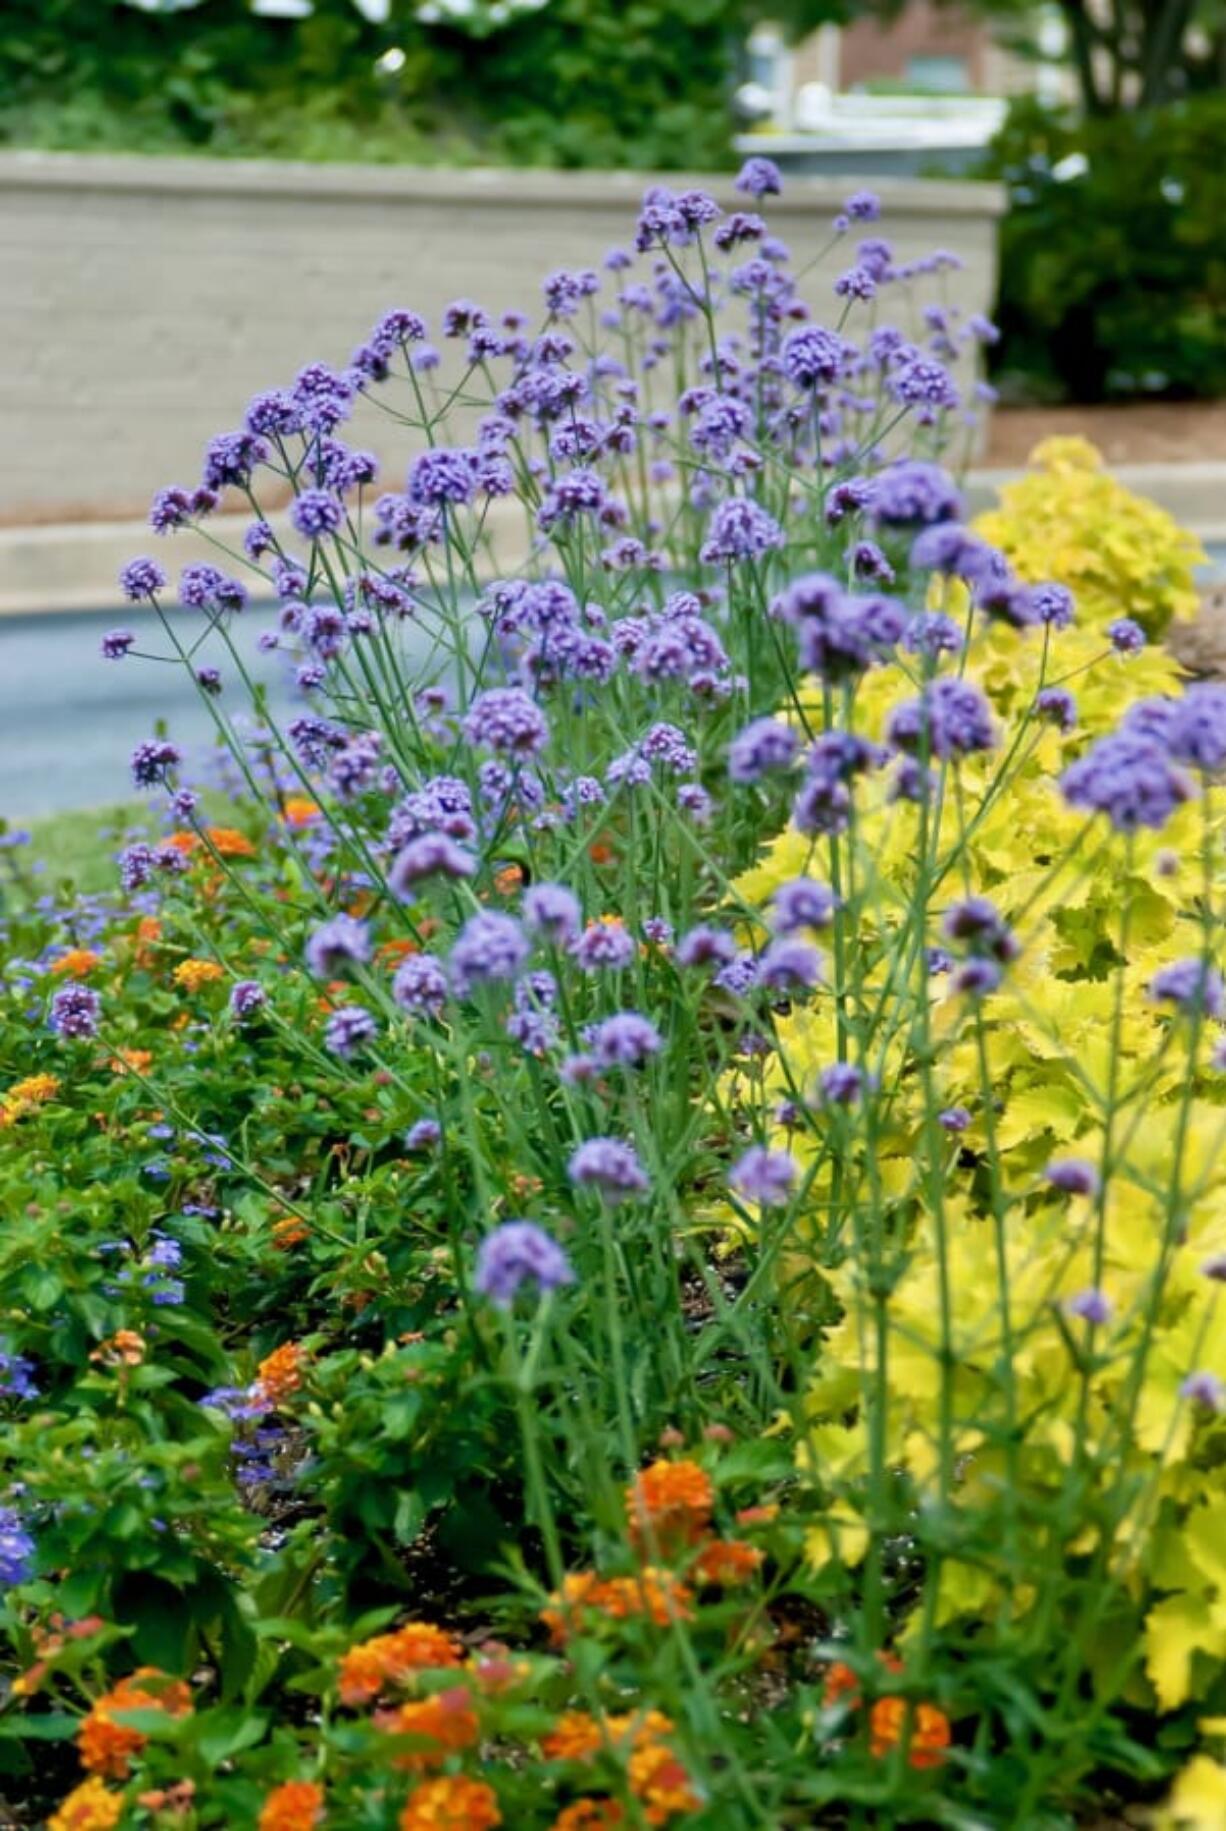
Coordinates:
925 43
921 37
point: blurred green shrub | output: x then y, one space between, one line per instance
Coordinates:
1113 254
580 83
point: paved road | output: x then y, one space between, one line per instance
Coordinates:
69 720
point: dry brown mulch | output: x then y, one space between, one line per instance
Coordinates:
1145 432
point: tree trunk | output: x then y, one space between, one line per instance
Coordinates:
1082 39
1160 51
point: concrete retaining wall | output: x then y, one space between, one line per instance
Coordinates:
143 301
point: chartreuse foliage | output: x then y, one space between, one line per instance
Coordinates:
627 1231
1071 1492
1069 518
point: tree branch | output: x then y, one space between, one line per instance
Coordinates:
1160 50
1081 34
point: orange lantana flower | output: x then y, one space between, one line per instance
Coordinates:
300 810
392 1659
77 963
451 1804
576 1736
295 1805
564 1613
226 841
930 1731
125 1348
177 1798
148 930
841 1686
229 842
589 1815
446 1723
656 1777
289 1232
279 1374
727 1562
390 953
669 1504
661 1784
656 1594
107 1747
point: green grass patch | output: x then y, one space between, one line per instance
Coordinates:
79 846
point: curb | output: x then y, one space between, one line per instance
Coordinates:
1194 493
74 566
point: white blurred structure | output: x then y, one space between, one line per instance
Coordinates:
931 86
488 14
919 120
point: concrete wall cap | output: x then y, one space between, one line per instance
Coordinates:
473 186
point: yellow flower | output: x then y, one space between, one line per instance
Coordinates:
89 1807
193 974
451 1803
1198 1799
30 1092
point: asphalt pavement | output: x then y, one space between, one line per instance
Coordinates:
69 720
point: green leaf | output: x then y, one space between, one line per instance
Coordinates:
238 1649
56 1727
409 1518
222 1733
161 1617
42 1288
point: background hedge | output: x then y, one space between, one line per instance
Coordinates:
1113 254
644 83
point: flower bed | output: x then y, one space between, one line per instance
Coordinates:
632 1237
